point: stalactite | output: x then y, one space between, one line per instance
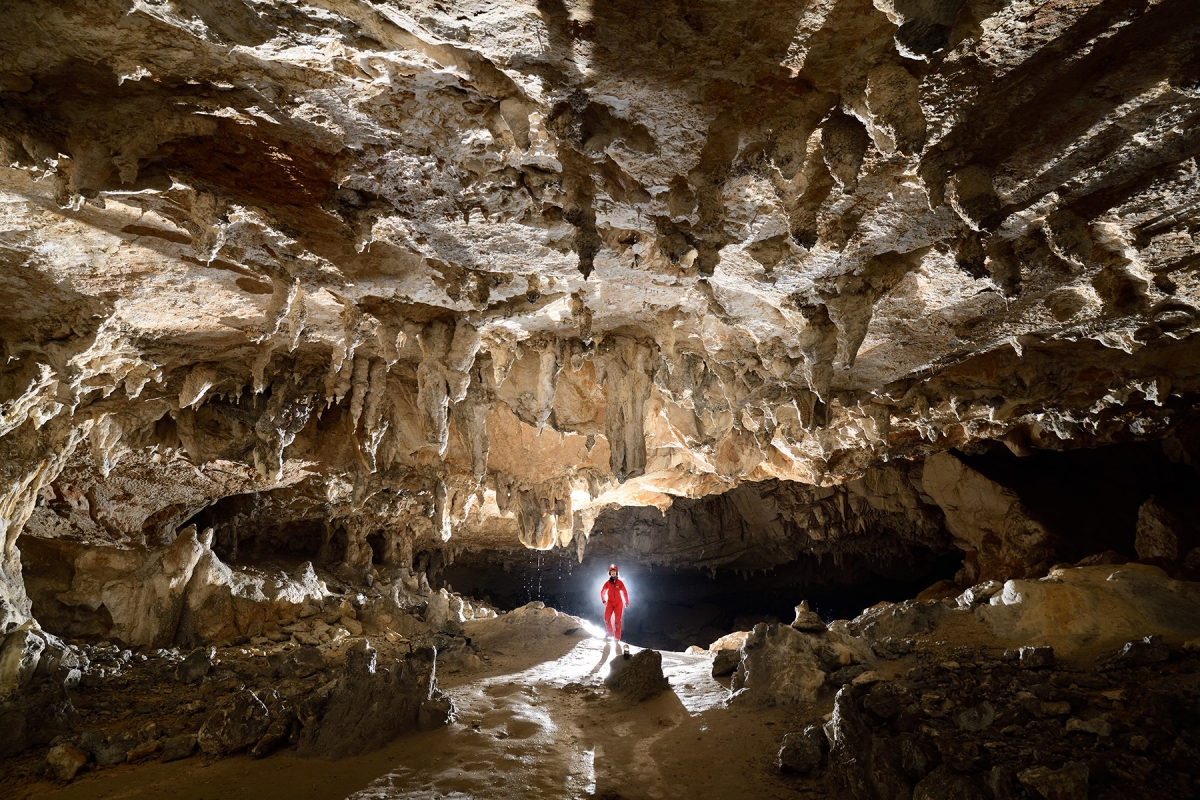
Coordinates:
549 366
433 394
626 388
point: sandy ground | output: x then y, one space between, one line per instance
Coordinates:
534 721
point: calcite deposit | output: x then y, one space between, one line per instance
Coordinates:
304 299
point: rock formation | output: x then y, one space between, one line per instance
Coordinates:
305 302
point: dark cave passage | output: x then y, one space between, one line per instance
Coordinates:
673 608
1091 497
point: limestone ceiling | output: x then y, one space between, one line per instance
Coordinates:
485 268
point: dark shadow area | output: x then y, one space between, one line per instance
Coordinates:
239 535
1091 497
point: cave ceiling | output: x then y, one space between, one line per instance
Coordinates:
482 270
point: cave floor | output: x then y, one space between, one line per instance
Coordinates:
533 721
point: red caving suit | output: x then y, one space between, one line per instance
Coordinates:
615 597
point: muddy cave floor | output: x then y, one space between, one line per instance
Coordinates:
534 720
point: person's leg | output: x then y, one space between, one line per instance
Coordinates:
618 612
608 620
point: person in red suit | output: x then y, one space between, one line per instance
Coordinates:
615 597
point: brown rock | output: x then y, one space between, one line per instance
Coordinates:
1068 783
64 761
990 518
1158 532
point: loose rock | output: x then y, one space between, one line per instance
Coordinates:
238 723
1068 783
638 678
64 761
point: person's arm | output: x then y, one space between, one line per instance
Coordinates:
604 592
625 594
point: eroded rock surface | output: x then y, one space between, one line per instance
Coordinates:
479 271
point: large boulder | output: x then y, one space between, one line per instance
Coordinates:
783 666
1067 783
20 653
862 765
141 590
36 668
989 520
1159 532
372 703
239 722
64 761
896 620
1085 610
638 678
802 752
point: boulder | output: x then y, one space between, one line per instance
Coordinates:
435 713
1068 783
223 603
177 747
1158 532
637 678
1035 657
107 750
976 718
197 664
20 653
862 765
725 662
946 784
730 641
1098 726
783 666
142 591
1149 650
299 663
896 620
239 722
144 749
807 620
801 752
59 664
370 704
35 670
64 761
988 519
979 593
276 734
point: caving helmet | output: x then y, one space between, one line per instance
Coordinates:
612 568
